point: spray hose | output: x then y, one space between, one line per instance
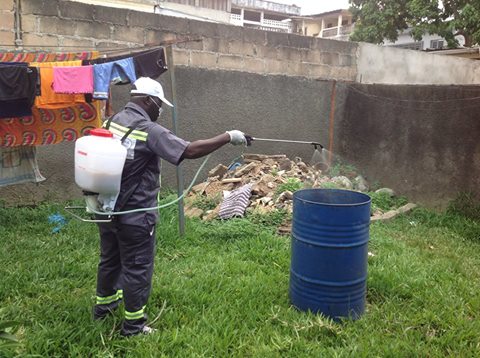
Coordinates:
105 213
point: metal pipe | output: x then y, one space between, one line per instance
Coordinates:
18 29
286 141
171 70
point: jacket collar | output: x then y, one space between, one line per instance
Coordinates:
137 108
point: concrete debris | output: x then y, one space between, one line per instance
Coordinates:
272 179
219 171
388 191
343 182
360 184
393 213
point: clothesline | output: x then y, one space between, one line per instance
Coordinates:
99 59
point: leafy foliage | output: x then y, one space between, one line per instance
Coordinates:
344 169
292 184
379 20
385 202
273 219
207 202
465 204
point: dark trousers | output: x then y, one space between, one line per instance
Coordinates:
126 263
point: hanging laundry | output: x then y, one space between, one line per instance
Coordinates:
150 64
19 165
48 98
75 79
50 126
17 90
116 71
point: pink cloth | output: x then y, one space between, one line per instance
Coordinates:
73 79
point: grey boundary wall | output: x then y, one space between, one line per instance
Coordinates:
270 85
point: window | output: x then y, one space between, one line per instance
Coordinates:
344 22
436 44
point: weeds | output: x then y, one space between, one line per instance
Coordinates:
292 184
339 168
207 202
272 219
465 204
385 202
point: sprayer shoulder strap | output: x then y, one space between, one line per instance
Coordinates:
127 133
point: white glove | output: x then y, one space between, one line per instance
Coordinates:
237 137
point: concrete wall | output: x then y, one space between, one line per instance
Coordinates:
423 141
377 64
7 23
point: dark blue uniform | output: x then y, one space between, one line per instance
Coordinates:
128 242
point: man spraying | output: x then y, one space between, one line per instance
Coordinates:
127 243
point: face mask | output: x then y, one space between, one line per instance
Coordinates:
160 111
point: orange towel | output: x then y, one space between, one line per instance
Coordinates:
49 99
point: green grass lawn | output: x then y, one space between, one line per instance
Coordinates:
222 291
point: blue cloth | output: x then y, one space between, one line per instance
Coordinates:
115 71
58 220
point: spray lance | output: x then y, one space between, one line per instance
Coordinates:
318 157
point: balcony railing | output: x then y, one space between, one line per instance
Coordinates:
330 32
338 31
346 29
266 24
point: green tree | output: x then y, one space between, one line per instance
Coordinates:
377 20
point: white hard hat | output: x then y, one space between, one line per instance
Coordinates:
145 85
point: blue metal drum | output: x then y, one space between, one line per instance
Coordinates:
330 232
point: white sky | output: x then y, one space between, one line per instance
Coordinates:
316 6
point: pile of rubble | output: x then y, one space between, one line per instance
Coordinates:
273 179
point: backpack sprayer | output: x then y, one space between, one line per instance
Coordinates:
99 162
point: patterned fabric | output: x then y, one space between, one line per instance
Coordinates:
50 126
46 57
19 165
235 203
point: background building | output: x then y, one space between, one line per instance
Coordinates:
337 25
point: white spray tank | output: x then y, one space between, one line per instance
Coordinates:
99 161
